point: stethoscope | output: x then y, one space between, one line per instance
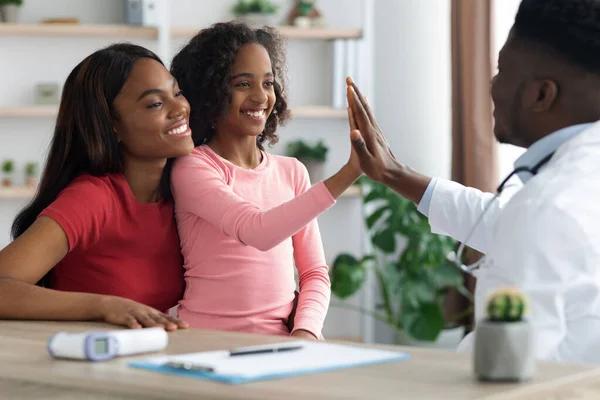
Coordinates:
456 257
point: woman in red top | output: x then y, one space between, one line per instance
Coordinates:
99 241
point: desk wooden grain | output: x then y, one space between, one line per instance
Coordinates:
27 371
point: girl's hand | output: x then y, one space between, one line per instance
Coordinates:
354 160
119 311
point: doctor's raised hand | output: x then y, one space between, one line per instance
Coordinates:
375 155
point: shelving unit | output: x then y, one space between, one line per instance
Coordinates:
34 111
78 31
290 32
119 31
17 192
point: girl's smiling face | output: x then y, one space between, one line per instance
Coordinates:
252 93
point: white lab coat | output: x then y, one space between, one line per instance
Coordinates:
544 239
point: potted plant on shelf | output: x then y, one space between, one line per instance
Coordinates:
31 174
7 170
504 348
411 269
312 156
304 14
9 10
256 13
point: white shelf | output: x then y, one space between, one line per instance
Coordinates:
34 111
290 32
78 30
17 192
130 31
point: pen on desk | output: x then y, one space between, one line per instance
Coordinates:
242 352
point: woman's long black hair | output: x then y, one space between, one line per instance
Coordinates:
84 140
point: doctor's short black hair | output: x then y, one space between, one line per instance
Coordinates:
203 70
568 28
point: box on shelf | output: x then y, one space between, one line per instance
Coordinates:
143 12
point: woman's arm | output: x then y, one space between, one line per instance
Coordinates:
200 188
26 260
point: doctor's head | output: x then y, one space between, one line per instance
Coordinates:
548 70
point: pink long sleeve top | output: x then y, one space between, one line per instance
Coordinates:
242 231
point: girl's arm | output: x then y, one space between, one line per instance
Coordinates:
200 188
315 287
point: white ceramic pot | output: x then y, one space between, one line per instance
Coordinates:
316 170
303 22
447 339
504 351
10 13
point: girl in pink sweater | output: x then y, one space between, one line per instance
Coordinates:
246 217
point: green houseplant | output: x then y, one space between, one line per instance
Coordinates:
7 170
410 265
312 156
31 170
9 10
255 12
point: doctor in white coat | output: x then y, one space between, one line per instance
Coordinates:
544 237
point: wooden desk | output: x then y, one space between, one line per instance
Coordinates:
27 371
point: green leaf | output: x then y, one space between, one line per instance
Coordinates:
417 291
373 218
448 276
423 323
371 196
385 240
385 293
347 276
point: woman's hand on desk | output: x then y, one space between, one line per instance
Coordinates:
125 312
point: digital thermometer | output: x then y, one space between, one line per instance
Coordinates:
104 345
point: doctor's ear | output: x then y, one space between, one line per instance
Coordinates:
546 93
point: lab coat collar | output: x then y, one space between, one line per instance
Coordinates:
545 146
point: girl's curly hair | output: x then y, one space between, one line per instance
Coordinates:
203 70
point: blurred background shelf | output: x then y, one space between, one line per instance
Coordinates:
31 111
78 30
34 111
91 30
17 192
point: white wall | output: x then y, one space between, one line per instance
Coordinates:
413 87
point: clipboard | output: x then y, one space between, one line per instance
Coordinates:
308 357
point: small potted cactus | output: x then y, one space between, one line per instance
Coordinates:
504 349
7 170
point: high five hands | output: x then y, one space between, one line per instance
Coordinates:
374 153
368 141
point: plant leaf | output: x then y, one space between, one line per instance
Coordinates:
347 276
374 217
423 323
385 240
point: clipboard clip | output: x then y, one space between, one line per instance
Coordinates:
189 366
